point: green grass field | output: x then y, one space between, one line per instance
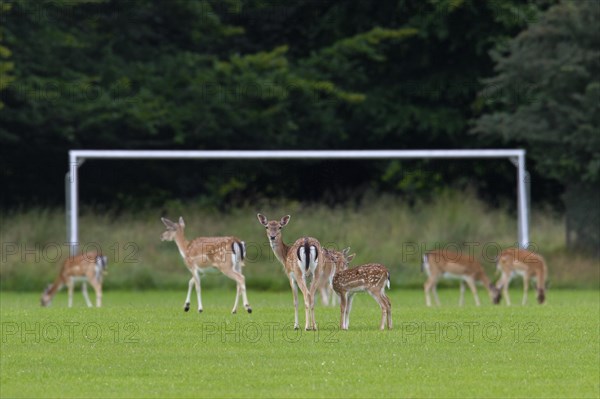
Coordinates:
142 344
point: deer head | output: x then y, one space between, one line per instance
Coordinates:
172 229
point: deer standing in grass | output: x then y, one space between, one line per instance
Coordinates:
527 264
224 253
372 278
300 261
449 264
87 267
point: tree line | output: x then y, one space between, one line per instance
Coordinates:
308 74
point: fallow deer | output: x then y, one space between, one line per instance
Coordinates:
527 264
299 260
86 267
223 253
449 264
372 278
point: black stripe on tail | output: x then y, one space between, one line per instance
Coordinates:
241 249
306 247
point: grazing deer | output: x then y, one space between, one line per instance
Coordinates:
299 261
450 264
527 264
85 267
372 278
224 253
335 261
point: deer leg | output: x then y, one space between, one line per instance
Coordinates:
461 299
241 280
241 289
377 296
343 305
428 284
98 289
389 308
295 293
504 282
238 289
198 289
525 288
237 296
435 294
349 309
332 295
313 293
324 296
471 284
70 286
84 291
309 321
186 306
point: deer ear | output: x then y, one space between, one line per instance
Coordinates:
284 220
346 250
350 257
167 222
262 219
181 222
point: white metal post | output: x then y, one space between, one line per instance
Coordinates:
522 198
74 216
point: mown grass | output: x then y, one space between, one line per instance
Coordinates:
141 344
382 229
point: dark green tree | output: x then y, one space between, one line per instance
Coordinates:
5 65
546 96
242 74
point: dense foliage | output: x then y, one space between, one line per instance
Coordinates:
546 94
246 75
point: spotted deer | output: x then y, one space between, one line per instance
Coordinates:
86 267
527 264
372 278
448 264
223 253
300 261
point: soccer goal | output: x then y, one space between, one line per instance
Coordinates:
77 158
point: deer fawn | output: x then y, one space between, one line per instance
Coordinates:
224 253
450 264
527 264
372 278
85 267
299 261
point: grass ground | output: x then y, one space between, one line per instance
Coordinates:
142 344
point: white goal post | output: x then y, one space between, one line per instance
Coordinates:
77 157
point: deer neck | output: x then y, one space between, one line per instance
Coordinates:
53 289
182 243
279 249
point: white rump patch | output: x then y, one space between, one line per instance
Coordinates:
313 259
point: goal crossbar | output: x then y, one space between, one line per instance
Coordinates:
77 157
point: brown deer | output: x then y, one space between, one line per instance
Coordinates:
223 253
372 278
527 264
299 261
86 267
449 264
